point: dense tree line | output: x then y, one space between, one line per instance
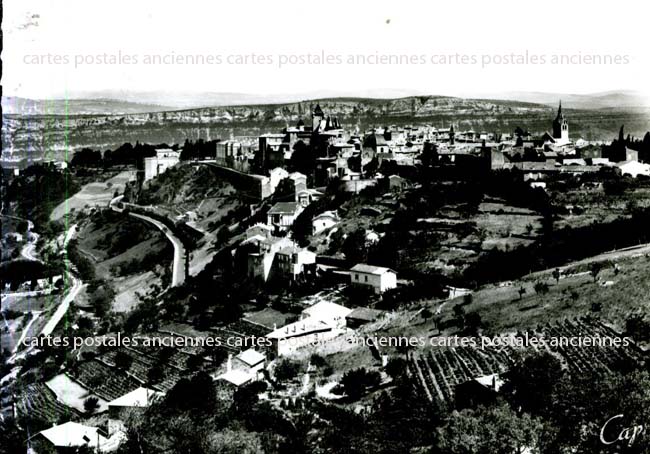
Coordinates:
200 149
38 190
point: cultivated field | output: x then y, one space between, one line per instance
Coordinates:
93 195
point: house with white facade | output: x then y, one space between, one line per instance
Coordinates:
318 323
307 196
244 368
72 436
282 214
377 277
634 168
331 313
157 165
324 221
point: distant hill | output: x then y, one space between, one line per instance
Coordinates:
24 106
120 103
602 100
50 135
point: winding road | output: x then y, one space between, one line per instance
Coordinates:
63 306
178 265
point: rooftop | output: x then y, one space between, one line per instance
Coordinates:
364 313
251 357
490 381
236 377
370 269
141 397
326 310
284 207
268 317
300 328
328 214
73 434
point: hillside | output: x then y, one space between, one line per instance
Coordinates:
24 106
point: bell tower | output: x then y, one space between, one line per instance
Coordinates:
560 126
316 118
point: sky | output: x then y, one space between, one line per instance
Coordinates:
71 48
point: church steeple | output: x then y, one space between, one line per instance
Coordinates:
560 126
317 117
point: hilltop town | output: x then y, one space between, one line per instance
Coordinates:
328 286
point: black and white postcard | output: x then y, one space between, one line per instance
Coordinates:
276 227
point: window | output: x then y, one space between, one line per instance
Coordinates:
366 277
356 276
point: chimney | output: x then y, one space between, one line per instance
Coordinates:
229 363
275 326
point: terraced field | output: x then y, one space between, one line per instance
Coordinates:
37 401
436 372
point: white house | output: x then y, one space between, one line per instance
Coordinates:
261 261
324 221
244 368
307 196
318 323
71 435
299 181
331 313
293 336
290 262
377 277
138 398
282 214
156 165
135 401
634 168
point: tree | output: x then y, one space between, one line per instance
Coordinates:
596 306
123 360
287 370
196 395
522 292
91 404
532 381
357 382
541 287
354 246
86 158
496 430
396 367
556 275
303 158
194 362
245 398
459 314
637 327
595 270
429 156
317 360
285 190
473 322
155 374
